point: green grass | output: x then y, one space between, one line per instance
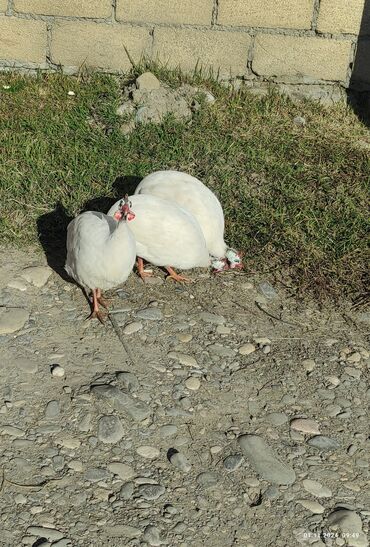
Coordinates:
295 198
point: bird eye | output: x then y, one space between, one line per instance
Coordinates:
130 203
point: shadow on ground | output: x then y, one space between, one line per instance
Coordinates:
358 93
52 226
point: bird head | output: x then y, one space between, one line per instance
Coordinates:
124 211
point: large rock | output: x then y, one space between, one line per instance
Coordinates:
264 461
122 402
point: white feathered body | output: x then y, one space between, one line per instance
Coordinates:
166 234
101 251
192 195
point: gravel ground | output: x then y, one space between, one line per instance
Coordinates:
219 413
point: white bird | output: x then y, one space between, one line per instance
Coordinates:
101 251
166 235
191 194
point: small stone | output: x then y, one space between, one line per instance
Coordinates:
69 442
110 429
313 506
183 359
150 314
129 380
168 430
207 479
37 275
262 341
308 364
180 528
323 443
316 489
119 530
212 318
127 491
354 357
221 329
131 328
26 365
44 532
353 372
305 426
210 99
184 338
57 371
276 418
12 431
151 491
180 461
20 499
221 350
52 409
12 320
267 290
148 452
264 460
75 465
151 536
233 462
299 121
192 383
122 402
124 471
96 474
350 524
247 349
17 284
147 81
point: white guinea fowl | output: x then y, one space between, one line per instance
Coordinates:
101 251
192 195
166 235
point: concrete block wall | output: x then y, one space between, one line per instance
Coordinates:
291 42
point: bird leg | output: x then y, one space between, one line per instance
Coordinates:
96 312
101 300
176 277
140 267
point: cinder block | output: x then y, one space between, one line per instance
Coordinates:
295 14
3 5
197 12
337 17
223 51
98 45
22 40
293 56
78 8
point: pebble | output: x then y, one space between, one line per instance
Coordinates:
267 290
299 121
233 462
247 349
119 530
96 474
110 429
12 431
69 442
212 318
52 409
57 371
309 364
12 320
192 383
151 536
354 357
305 426
17 284
219 349
37 275
150 314
127 491
129 380
26 365
183 359
122 402
276 418
184 338
151 491
43 532
76 465
264 461
148 452
316 489
207 479
131 328
323 443
313 506
124 471
350 524
353 372
168 430
147 81
180 461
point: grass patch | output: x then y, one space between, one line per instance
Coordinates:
295 197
